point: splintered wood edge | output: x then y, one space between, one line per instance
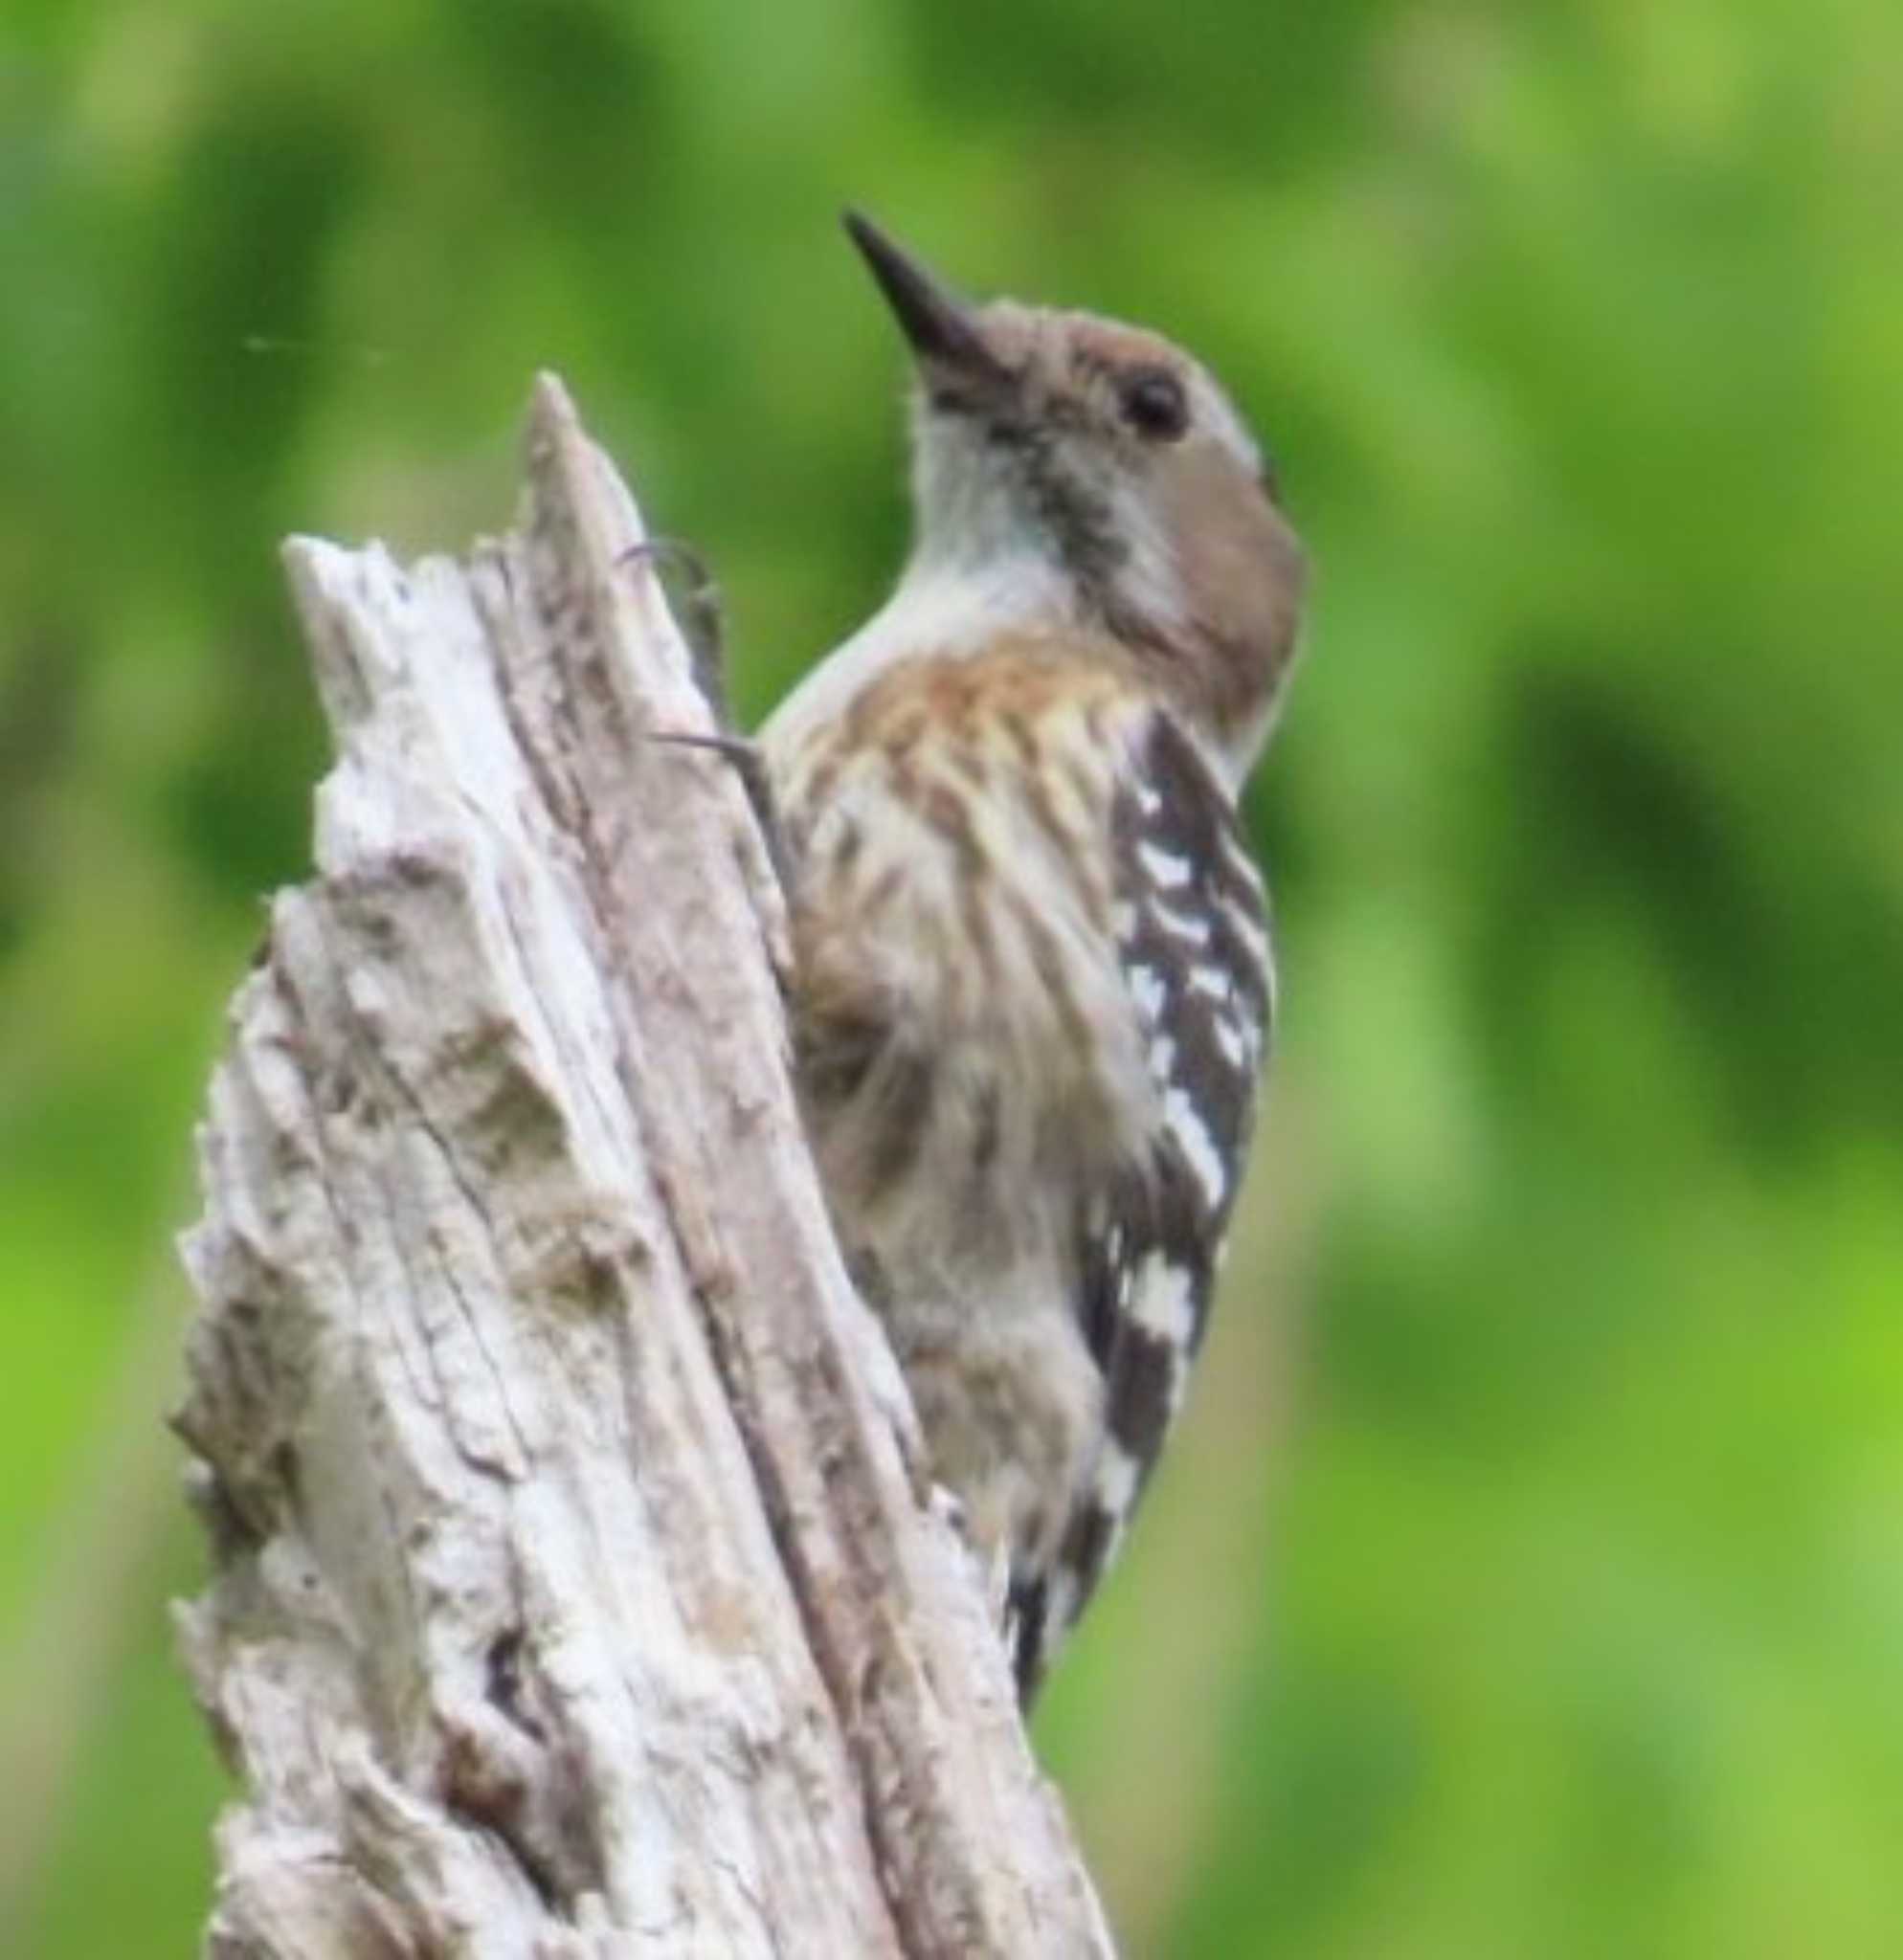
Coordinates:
526 906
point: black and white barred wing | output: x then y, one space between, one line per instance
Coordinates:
1192 931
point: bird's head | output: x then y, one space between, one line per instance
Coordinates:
1105 462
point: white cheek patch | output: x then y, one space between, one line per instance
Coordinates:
1215 413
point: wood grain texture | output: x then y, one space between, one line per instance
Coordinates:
576 1589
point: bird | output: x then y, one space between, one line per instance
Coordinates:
1032 981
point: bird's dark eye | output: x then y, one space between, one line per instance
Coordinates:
1154 405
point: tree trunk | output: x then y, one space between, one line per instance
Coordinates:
578 1590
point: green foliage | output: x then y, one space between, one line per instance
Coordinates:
1527 1582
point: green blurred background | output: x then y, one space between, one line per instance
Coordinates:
1529 1581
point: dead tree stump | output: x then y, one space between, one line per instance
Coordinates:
578 1591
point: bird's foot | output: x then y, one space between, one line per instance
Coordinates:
696 592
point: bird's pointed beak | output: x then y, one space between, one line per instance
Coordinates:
942 328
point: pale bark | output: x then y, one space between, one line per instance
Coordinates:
577 1588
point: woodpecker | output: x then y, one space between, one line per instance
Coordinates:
1032 974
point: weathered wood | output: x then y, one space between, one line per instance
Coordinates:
578 1591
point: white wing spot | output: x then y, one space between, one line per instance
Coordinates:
1211 982
1250 931
1187 1126
1188 925
1165 1302
1060 1605
1167 867
1236 854
1231 1041
1147 989
1117 1479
